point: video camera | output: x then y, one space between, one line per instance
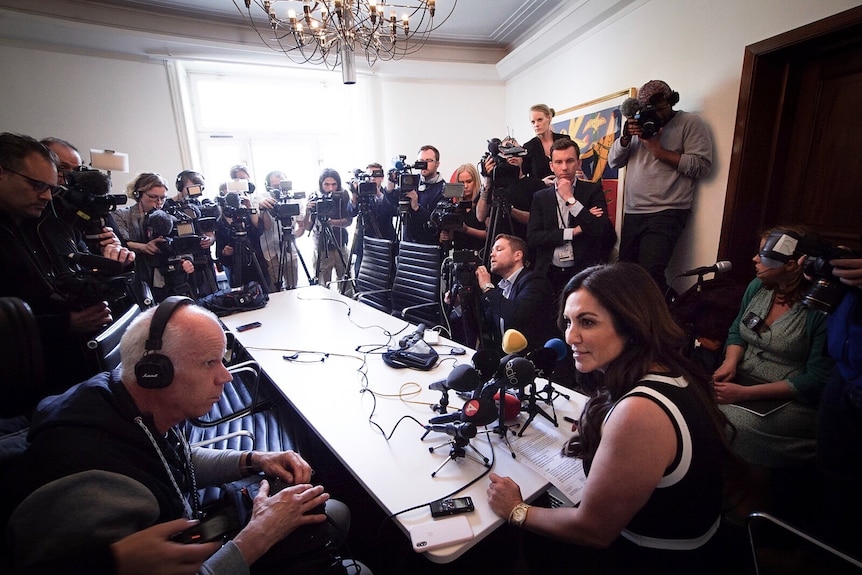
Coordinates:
449 213
826 291
86 196
464 265
189 215
364 185
500 151
92 279
325 207
232 208
646 116
287 207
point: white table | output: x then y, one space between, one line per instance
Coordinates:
326 392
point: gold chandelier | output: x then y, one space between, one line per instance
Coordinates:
330 32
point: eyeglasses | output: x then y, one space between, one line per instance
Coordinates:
38 185
155 198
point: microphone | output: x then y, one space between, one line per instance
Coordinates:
414 337
463 378
399 165
717 267
159 224
559 347
486 361
100 264
465 430
514 341
514 372
630 107
231 199
544 360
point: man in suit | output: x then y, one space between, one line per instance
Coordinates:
569 228
521 300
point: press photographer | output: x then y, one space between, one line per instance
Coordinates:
327 217
505 199
417 199
86 203
36 248
238 232
456 217
372 208
280 214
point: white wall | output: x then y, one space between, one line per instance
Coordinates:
696 46
94 103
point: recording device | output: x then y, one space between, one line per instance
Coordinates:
324 207
190 217
87 200
826 291
645 116
717 267
92 279
463 273
500 151
449 214
287 207
232 207
180 243
407 181
212 528
453 505
364 185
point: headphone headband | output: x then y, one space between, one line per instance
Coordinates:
155 370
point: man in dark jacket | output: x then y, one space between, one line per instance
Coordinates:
569 228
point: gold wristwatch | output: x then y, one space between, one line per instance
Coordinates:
518 514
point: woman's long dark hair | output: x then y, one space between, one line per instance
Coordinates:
641 317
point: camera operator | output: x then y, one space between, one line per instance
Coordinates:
839 432
471 234
238 233
520 300
508 178
328 216
271 239
422 201
665 153
35 254
377 211
150 242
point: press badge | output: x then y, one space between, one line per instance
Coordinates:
565 253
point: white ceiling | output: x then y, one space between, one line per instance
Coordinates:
214 29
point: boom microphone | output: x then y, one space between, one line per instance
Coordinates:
514 341
717 267
159 224
630 107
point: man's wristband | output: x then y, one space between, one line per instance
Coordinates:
248 467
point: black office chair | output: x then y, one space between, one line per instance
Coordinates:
779 547
105 347
22 379
376 273
416 287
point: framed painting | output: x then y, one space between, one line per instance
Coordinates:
594 125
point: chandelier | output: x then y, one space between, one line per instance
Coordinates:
331 32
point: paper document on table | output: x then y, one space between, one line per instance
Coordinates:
540 450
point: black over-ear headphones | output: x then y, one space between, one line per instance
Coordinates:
673 99
155 370
185 174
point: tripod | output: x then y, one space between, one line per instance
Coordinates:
547 394
326 238
244 256
457 448
365 216
287 242
500 218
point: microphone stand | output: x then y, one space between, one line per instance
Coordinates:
533 409
502 429
458 449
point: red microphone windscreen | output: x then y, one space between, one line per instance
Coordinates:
512 407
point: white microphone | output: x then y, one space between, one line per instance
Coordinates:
717 267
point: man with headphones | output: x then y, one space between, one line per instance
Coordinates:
117 443
662 172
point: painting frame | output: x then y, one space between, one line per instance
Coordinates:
583 122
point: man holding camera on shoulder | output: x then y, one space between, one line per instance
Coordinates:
665 152
36 252
375 210
328 216
423 200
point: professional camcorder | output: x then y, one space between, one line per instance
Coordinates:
464 265
287 207
92 279
449 213
500 151
364 185
189 216
646 116
232 207
324 207
826 291
87 199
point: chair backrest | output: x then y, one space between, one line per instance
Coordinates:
106 345
416 288
22 379
376 273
